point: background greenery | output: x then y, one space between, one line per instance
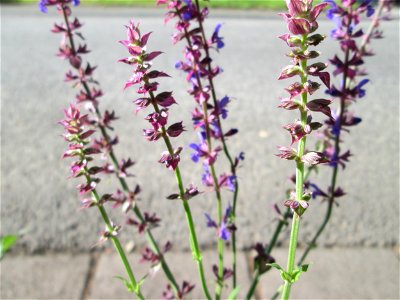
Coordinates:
243 4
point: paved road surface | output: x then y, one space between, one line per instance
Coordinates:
37 198
84 276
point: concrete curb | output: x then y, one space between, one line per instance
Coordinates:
334 274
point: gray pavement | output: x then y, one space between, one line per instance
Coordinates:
36 196
333 274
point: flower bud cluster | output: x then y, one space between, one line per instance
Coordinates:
81 75
78 148
302 23
141 62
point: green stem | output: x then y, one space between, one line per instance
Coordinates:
299 180
224 145
218 288
149 236
312 244
375 19
331 199
192 231
272 243
118 247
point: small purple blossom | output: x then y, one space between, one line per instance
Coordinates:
201 150
226 227
43 4
262 259
316 191
226 273
216 38
186 287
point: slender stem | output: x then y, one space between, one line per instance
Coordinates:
375 19
272 243
224 145
299 179
342 108
149 236
192 231
219 284
312 244
118 247
335 170
292 254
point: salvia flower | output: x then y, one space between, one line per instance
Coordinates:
185 289
78 146
141 61
347 16
302 16
262 259
226 227
216 39
43 4
226 274
197 66
301 21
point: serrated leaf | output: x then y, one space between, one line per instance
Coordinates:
6 242
234 293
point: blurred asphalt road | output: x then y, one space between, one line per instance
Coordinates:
36 196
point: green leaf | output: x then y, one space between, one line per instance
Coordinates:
286 276
6 242
296 274
127 284
304 268
276 266
141 281
234 293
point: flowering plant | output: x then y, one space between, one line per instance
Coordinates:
88 131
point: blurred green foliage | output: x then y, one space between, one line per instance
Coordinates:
6 242
240 4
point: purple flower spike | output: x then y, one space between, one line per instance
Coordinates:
141 61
